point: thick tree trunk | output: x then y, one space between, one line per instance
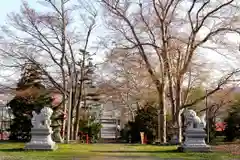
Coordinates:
176 111
162 115
171 95
178 100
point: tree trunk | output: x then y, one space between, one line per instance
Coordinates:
179 125
65 112
171 94
69 112
63 46
178 101
81 92
162 115
176 111
72 122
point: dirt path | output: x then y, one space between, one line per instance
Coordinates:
124 158
232 148
131 158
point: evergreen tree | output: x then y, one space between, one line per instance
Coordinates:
232 130
30 95
88 122
145 121
86 92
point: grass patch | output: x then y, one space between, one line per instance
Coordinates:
14 151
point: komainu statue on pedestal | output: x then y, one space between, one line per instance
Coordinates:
194 133
41 132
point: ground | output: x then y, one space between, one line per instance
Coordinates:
230 148
13 151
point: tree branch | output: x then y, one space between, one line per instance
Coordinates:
220 84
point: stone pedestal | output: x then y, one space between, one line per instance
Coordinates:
41 140
195 141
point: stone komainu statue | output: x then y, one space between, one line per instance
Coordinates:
193 121
43 119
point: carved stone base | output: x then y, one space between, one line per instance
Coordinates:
41 140
195 141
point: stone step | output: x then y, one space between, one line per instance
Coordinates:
108 133
109 129
108 137
105 134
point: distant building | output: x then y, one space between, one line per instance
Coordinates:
110 120
5 113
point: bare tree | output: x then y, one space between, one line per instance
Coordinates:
128 80
164 27
49 40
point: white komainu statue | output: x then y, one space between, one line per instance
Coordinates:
42 120
193 121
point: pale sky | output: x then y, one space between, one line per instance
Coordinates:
8 6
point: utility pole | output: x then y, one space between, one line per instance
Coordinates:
207 117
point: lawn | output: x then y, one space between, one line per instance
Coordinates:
13 151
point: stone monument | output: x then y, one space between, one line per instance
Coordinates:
41 132
194 133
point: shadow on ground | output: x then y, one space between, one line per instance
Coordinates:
11 150
18 150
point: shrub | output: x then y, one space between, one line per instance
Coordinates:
92 128
145 121
232 130
21 109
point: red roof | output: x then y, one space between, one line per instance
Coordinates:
57 99
220 126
